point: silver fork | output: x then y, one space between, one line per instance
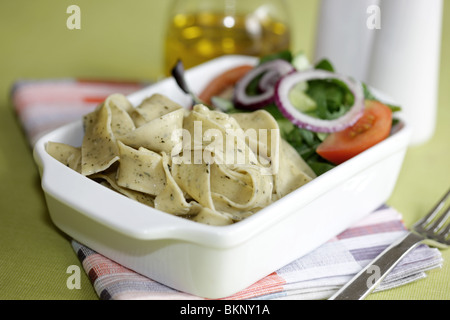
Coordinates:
431 229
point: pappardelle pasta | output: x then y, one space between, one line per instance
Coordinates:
200 164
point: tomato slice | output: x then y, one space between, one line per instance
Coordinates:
373 127
223 82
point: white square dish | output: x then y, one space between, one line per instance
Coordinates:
214 261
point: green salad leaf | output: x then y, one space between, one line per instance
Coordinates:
325 99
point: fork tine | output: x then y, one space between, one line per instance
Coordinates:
441 221
446 231
432 214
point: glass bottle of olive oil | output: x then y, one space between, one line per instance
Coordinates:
200 30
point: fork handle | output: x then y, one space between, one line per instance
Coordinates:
370 277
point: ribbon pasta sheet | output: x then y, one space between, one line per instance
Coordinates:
200 164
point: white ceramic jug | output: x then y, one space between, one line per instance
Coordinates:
392 45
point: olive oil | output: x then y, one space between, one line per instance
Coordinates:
196 38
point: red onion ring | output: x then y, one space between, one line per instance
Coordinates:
271 72
286 83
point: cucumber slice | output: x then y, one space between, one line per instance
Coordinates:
300 100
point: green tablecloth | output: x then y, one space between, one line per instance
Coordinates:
122 40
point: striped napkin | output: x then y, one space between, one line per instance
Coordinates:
315 276
43 105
